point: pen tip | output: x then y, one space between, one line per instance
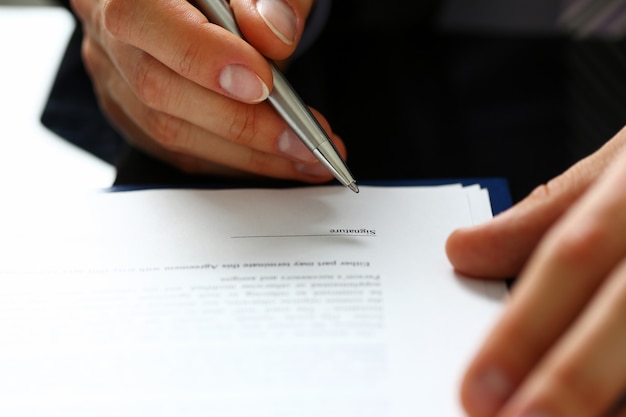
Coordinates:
353 187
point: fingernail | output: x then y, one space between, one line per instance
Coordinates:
290 144
316 170
488 391
242 83
280 18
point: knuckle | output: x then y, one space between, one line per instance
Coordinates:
149 84
153 84
188 57
552 189
548 190
243 126
114 13
582 244
585 396
580 239
540 192
167 131
87 55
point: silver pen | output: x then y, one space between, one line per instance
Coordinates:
287 102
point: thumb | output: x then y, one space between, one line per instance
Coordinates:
500 247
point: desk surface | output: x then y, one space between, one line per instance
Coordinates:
32 43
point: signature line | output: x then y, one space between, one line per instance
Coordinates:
311 235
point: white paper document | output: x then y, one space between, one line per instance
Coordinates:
305 302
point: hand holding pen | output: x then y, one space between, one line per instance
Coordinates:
192 93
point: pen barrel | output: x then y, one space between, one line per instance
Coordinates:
300 119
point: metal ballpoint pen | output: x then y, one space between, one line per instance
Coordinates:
287 103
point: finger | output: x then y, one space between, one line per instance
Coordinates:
178 137
163 90
500 247
178 35
274 27
585 373
570 263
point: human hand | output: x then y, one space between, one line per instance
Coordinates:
190 92
559 348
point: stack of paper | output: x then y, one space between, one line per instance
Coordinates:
302 302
